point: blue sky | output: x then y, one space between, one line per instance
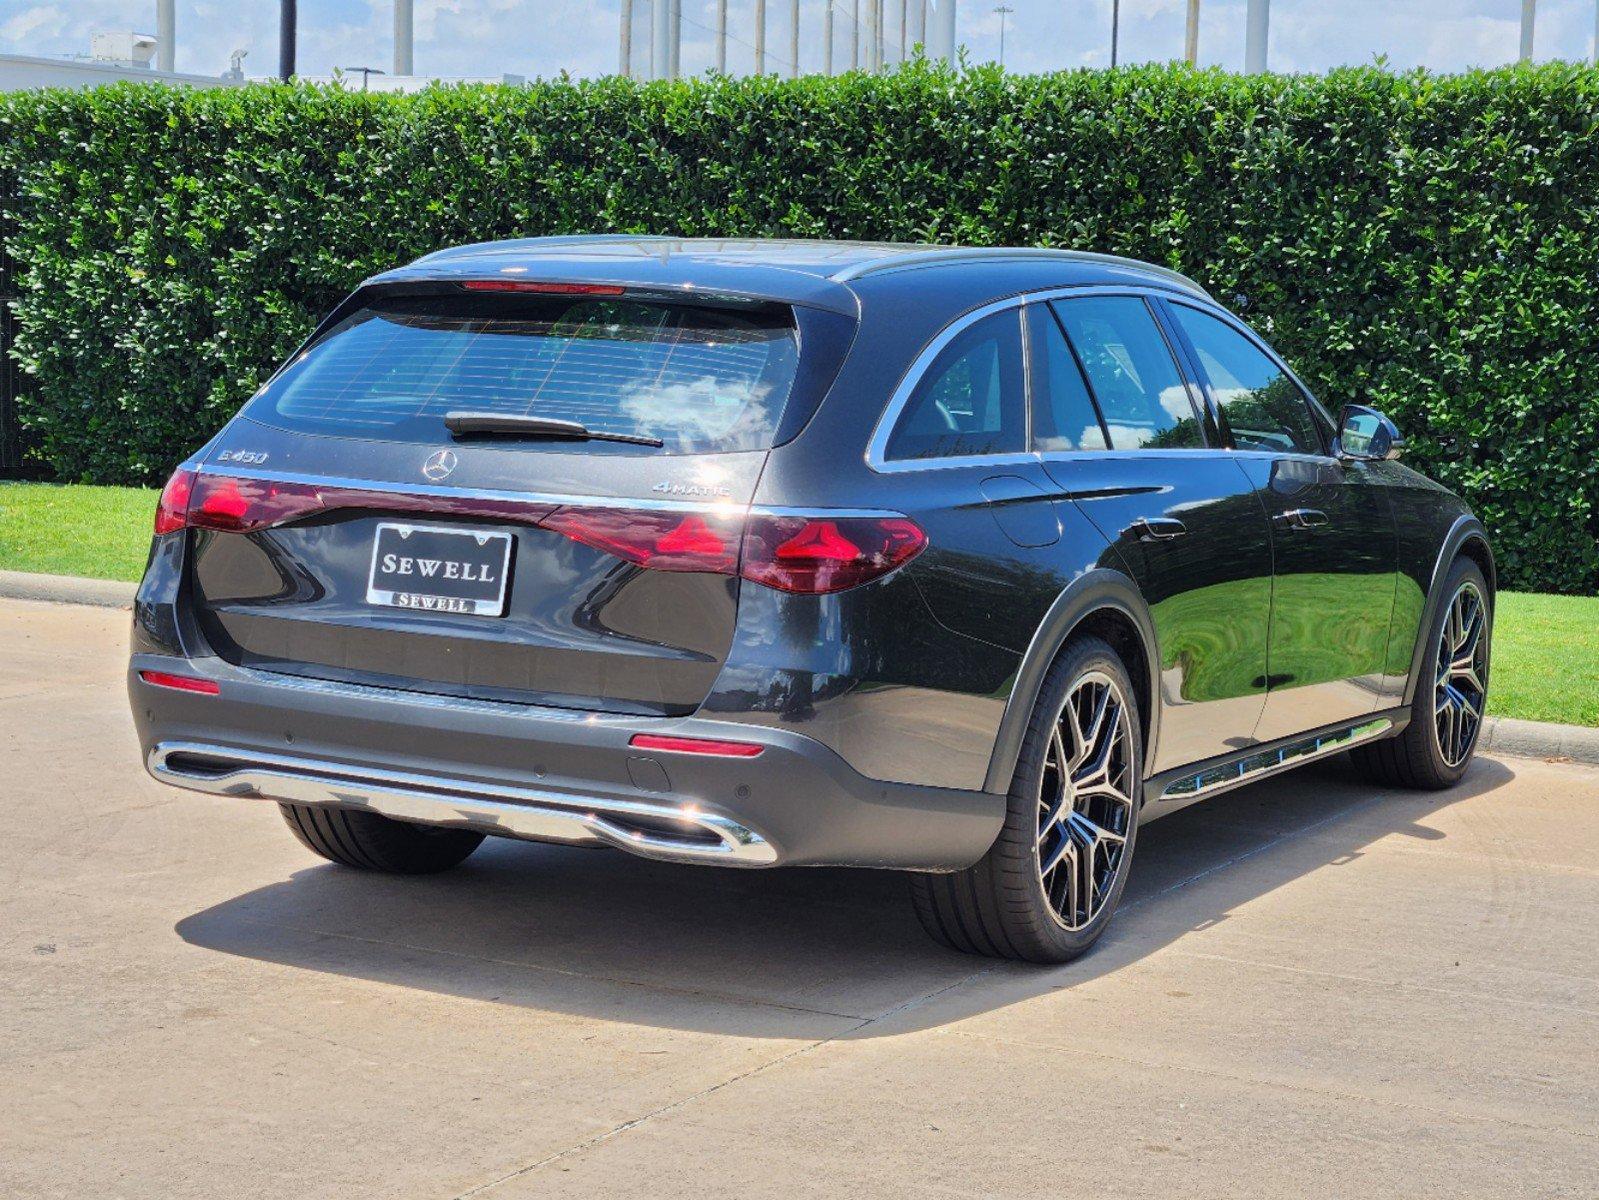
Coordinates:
544 37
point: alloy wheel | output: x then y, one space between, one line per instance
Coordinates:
1461 679
1085 800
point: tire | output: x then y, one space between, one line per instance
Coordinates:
1433 752
370 842
1010 904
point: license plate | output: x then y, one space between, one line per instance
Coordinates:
440 570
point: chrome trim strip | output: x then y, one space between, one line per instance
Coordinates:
526 813
1265 763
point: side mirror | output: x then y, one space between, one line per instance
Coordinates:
1366 435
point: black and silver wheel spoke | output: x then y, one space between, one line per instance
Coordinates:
1085 802
1461 677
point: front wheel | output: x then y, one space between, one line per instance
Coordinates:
1047 887
1446 715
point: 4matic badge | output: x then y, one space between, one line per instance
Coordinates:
666 488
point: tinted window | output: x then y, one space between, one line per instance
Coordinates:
1131 370
1264 407
971 399
698 378
1063 413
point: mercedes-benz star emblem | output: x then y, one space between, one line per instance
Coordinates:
439 464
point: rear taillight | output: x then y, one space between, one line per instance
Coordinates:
814 554
821 554
172 509
240 505
808 554
662 541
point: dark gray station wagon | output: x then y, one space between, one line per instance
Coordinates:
959 562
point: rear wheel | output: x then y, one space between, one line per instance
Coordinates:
1446 715
1046 889
371 842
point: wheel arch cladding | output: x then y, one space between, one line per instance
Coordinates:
1102 603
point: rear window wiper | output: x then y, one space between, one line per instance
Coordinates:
485 424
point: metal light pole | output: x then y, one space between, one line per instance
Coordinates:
1115 29
1005 10
1529 12
660 39
946 30
624 47
1191 39
166 22
1257 22
721 37
288 18
760 37
674 61
827 39
904 27
793 38
404 39
855 35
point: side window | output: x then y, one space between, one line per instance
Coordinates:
1135 380
1063 413
1263 407
972 399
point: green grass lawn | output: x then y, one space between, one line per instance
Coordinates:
1545 663
1545 654
101 532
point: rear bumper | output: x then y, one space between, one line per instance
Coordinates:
545 774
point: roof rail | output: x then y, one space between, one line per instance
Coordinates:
566 239
946 254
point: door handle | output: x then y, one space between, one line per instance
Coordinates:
1303 518
1155 529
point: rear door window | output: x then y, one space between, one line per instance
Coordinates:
1130 368
699 378
972 399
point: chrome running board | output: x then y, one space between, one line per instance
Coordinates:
505 811
1263 763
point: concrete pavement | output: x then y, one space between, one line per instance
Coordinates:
1314 987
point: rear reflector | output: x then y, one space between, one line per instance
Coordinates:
181 683
545 289
686 745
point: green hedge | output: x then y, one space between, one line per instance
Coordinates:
1426 244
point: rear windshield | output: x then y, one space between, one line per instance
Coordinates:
699 378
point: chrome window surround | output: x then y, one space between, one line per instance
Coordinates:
877 447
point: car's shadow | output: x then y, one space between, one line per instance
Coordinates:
780 953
